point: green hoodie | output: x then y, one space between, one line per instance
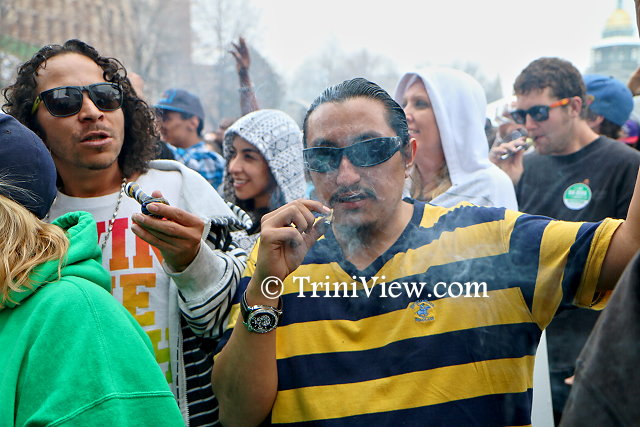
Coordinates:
71 354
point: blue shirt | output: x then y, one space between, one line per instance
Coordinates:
207 163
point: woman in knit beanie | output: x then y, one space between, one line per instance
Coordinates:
264 169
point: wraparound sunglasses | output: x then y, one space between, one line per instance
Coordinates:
361 154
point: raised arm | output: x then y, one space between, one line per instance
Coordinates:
624 244
248 101
245 374
634 82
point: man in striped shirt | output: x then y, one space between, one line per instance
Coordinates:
400 312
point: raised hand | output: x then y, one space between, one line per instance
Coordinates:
286 236
508 157
241 54
177 233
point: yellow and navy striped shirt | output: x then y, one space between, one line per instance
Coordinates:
379 353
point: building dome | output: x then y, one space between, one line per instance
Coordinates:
617 54
618 24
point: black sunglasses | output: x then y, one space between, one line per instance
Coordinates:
361 154
66 101
539 113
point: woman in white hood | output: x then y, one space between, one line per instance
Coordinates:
265 170
446 113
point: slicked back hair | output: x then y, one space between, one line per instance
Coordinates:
363 88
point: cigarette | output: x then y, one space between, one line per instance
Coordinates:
329 218
527 143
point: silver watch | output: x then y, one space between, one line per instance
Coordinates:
260 318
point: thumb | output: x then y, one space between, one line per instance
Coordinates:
317 230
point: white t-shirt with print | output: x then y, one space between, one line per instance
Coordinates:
137 278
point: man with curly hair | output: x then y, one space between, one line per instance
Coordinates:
164 268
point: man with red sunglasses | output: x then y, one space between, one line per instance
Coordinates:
573 174
166 270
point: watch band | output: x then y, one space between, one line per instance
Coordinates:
260 318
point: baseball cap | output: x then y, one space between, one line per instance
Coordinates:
611 98
181 101
26 165
632 129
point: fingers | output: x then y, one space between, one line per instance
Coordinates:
506 150
168 231
294 223
153 236
239 48
317 230
286 235
178 244
175 223
240 54
242 45
298 213
174 214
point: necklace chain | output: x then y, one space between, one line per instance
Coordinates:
115 213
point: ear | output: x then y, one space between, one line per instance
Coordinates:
410 156
575 105
193 122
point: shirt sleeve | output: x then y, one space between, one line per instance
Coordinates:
207 286
557 263
234 314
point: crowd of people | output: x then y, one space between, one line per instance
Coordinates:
413 286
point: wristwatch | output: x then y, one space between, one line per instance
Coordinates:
260 318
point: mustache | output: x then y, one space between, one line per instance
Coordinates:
345 192
97 128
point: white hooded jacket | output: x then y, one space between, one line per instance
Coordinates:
459 105
279 139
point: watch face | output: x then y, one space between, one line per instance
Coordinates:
262 321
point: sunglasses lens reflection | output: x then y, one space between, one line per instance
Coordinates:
67 101
63 101
322 159
107 97
362 154
539 113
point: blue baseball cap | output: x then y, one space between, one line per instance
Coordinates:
181 101
611 98
26 165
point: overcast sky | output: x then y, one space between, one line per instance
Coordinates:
502 36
